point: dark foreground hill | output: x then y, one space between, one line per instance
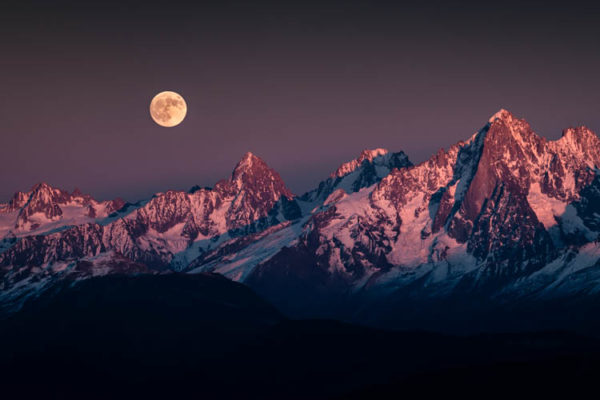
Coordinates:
203 336
501 231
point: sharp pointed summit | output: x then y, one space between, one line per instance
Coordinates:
501 114
506 213
248 159
367 169
249 163
253 174
365 155
583 140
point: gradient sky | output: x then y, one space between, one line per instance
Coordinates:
305 87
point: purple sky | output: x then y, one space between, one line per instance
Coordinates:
304 87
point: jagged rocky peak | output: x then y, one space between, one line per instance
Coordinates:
507 118
487 211
513 138
503 115
78 195
583 142
252 173
504 123
18 200
45 199
367 169
580 135
506 129
370 155
251 193
44 205
250 164
509 121
365 155
515 154
511 151
44 192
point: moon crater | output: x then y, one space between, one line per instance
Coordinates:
168 109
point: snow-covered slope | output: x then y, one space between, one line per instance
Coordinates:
168 231
367 169
44 209
504 215
495 208
237 257
478 219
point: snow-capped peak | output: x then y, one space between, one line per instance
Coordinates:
248 163
365 170
18 200
248 158
507 132
251 173
486 213
368 155
583 144
580 135
44 193
371 154
42 187
503 115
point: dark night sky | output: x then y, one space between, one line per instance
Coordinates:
305 87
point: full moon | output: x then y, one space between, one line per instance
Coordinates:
168 109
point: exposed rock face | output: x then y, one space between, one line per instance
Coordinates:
369 168
503 215
18 201
255 189
366 155
45 200
252 199
476 219
157 233
45 208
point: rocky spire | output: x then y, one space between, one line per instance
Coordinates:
253 175
43 199
365 155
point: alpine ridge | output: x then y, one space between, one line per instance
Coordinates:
505 217
167 231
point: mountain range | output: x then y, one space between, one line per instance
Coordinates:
493 230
